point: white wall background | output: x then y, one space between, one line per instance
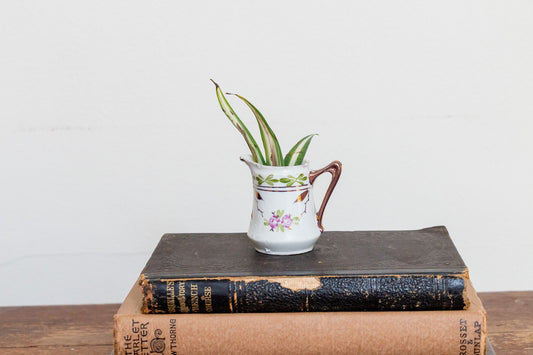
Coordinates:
111 135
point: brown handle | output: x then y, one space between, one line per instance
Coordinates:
334 168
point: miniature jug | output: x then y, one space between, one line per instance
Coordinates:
284 220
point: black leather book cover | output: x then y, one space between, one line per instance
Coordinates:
346 271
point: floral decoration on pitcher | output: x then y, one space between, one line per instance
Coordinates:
288 181
280 221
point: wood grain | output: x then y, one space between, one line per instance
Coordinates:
88 329
85 329
510 321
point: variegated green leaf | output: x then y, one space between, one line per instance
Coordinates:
273 155
296 155
230 113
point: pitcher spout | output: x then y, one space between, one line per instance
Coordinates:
255 168
247 159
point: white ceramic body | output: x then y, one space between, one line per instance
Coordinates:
284 217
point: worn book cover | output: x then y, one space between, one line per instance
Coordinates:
347 271
433 332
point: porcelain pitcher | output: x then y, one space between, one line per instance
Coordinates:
284 219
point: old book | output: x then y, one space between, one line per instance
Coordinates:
347 271
431 332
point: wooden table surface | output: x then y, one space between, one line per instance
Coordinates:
88 329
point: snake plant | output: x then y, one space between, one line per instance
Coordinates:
273 155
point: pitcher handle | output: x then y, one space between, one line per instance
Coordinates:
334 168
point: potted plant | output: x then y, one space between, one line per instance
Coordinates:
284 219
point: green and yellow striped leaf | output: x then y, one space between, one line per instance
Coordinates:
273 155
230 113
296 155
